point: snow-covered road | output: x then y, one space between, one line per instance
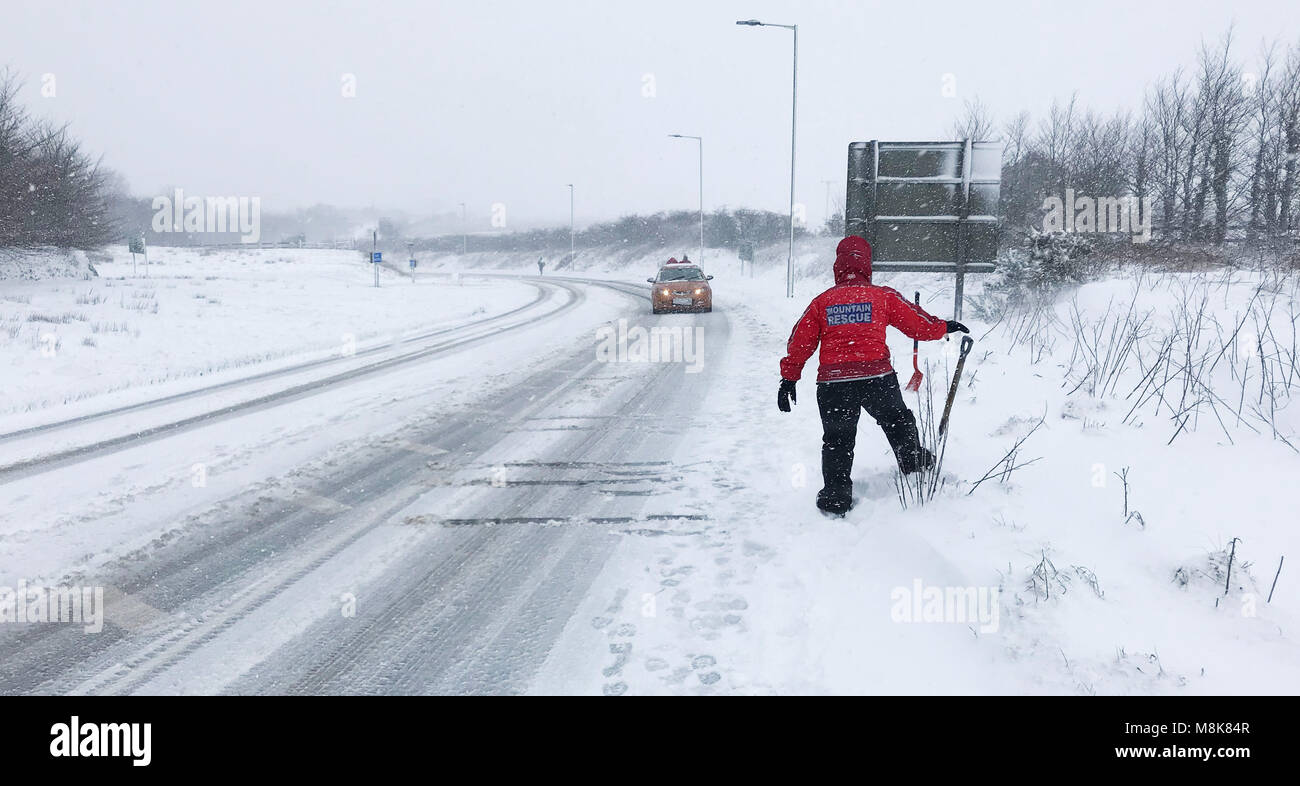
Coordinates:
440 548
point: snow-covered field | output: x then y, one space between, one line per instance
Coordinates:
1188 425
200 318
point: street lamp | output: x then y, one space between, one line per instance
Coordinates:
572 253
826 218
699 139
794 104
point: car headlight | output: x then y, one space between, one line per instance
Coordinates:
699 291
663 292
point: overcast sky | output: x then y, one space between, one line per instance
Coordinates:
505 102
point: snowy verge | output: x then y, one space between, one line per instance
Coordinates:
1037 581
44 263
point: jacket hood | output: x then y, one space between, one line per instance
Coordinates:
853 261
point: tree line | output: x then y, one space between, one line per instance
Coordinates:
1215 148
723 228
52 192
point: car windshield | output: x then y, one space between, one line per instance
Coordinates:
681 274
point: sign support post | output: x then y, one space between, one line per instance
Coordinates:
927 207
963 216
136 246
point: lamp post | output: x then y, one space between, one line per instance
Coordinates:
699 139
794 104
572 252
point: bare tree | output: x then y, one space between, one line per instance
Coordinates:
1055 143
1166 110
1262 98
1141 157
976 123
1288 150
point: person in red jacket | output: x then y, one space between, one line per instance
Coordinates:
848 321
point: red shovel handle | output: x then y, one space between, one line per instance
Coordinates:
914 384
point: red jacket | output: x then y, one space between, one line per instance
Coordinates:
849 322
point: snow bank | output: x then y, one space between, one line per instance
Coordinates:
37 264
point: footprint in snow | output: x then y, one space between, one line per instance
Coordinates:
621 653
723 602
614 688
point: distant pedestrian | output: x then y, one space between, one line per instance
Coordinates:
541 265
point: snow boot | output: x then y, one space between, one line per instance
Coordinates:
835 503
922 459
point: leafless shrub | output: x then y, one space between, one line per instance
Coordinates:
1031 325
57 319
1104 348
1010 462
1090 579
1045 579
1129 515
1242 373
1219 572
922 486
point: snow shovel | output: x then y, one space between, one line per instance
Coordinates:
966 343
914 384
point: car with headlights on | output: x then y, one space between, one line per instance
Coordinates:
680 287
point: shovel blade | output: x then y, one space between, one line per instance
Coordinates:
914 384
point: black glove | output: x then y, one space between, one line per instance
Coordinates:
954 326
786 395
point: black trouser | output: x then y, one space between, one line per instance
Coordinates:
840 404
